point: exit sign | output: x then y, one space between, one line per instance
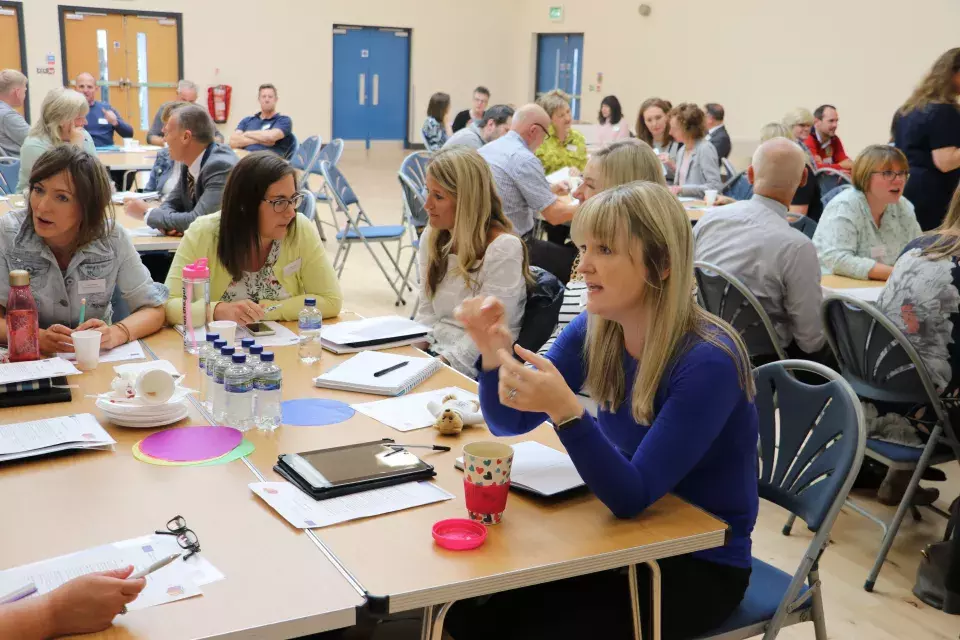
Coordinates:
556 13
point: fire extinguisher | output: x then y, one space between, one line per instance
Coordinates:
218 102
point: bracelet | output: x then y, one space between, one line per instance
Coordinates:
125 330
567 422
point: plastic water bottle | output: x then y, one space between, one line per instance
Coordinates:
196 304
205 355
209 368
219 396
268 382
253 358
238 392
245 345
310 323
23 327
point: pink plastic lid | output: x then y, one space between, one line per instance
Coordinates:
459 534
198 269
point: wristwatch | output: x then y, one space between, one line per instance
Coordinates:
566 423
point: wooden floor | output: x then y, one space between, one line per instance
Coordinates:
890 612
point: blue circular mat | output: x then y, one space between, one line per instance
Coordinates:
309 412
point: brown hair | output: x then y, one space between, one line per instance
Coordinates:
876 157
438 106
642 131
169 108
246 187
267 85
937 87
691 118
91 189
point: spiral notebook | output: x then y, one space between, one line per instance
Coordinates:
357 373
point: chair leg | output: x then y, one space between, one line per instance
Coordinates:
788 527
905 504
819 619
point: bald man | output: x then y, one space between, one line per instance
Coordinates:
753 241
102 121
524 189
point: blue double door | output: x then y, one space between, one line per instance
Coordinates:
560 66
371 83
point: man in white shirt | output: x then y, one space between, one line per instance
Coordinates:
716 130
13 128
753 241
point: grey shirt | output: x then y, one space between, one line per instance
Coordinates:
179 209
13 131
753 241
93 273
469 136
521 183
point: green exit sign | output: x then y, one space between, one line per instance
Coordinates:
556 13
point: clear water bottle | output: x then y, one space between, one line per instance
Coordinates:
267 382
310 322
205 352
219 370
253 358
238 393
196 304
245 345
209 368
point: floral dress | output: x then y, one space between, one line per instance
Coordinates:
258 285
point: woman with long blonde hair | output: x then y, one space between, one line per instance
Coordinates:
468 249
63 116
676 413
927 129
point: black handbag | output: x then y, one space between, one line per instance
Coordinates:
932 574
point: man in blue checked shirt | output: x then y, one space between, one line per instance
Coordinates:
102 121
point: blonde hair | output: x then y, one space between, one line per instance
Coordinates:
646 221
773 130
626 161
466 176
553 101
800 115
876 157
948 244
937 86
11 79
59 106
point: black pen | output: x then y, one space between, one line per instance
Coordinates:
397 448
389 369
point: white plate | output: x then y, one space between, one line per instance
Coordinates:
148 423
137 410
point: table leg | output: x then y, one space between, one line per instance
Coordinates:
635 602
425 629
654 600
433 619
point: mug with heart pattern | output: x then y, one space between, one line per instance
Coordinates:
486 479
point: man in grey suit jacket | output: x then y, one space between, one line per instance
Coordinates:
716 131
189 134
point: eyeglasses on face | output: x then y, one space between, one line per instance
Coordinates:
890 175
546 131
280 204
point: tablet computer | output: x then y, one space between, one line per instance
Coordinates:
327 473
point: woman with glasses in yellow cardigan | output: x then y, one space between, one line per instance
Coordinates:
262 253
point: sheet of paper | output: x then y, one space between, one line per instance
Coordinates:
130 351
36 370
687 199
176 581
282 336
372 329
137 368
304 512
120 196
26 439
561 175
543 469
145 232
867 294
408 413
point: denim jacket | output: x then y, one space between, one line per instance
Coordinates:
95 270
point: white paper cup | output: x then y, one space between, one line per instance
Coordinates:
710 196
86 344
155 386
226 328
131 143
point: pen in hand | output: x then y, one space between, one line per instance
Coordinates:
159 564
83 310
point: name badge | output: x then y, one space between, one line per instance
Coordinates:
616 129
265 126
292 268
102 121
572 148
878 253
92 286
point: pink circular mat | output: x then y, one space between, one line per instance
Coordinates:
191 444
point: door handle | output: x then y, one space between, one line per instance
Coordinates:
363 89
376 89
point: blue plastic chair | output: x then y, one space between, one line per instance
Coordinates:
358 228
882 365
309 205
307 160
805 225
292 152
9 175
413 200
739 187
812 440
331 152
414 169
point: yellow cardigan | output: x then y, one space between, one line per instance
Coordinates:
302 269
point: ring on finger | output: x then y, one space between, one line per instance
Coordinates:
123 611
511 394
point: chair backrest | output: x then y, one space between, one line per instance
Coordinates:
542 310
812 440
726 297
728 167
9 174
832 193
806 225
331 153
292 152
309 205
306 157
413 202
739 187
414 167
829 180
338 185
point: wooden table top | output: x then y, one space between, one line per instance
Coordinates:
843 282
277 582
394 557
128 160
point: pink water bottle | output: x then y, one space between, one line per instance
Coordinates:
23 323
196 305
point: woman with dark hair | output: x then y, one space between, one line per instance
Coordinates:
435 129
73 249
262 253
698 164
927 129
611 122
653 127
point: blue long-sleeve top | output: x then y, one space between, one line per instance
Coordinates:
102 131
702 445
